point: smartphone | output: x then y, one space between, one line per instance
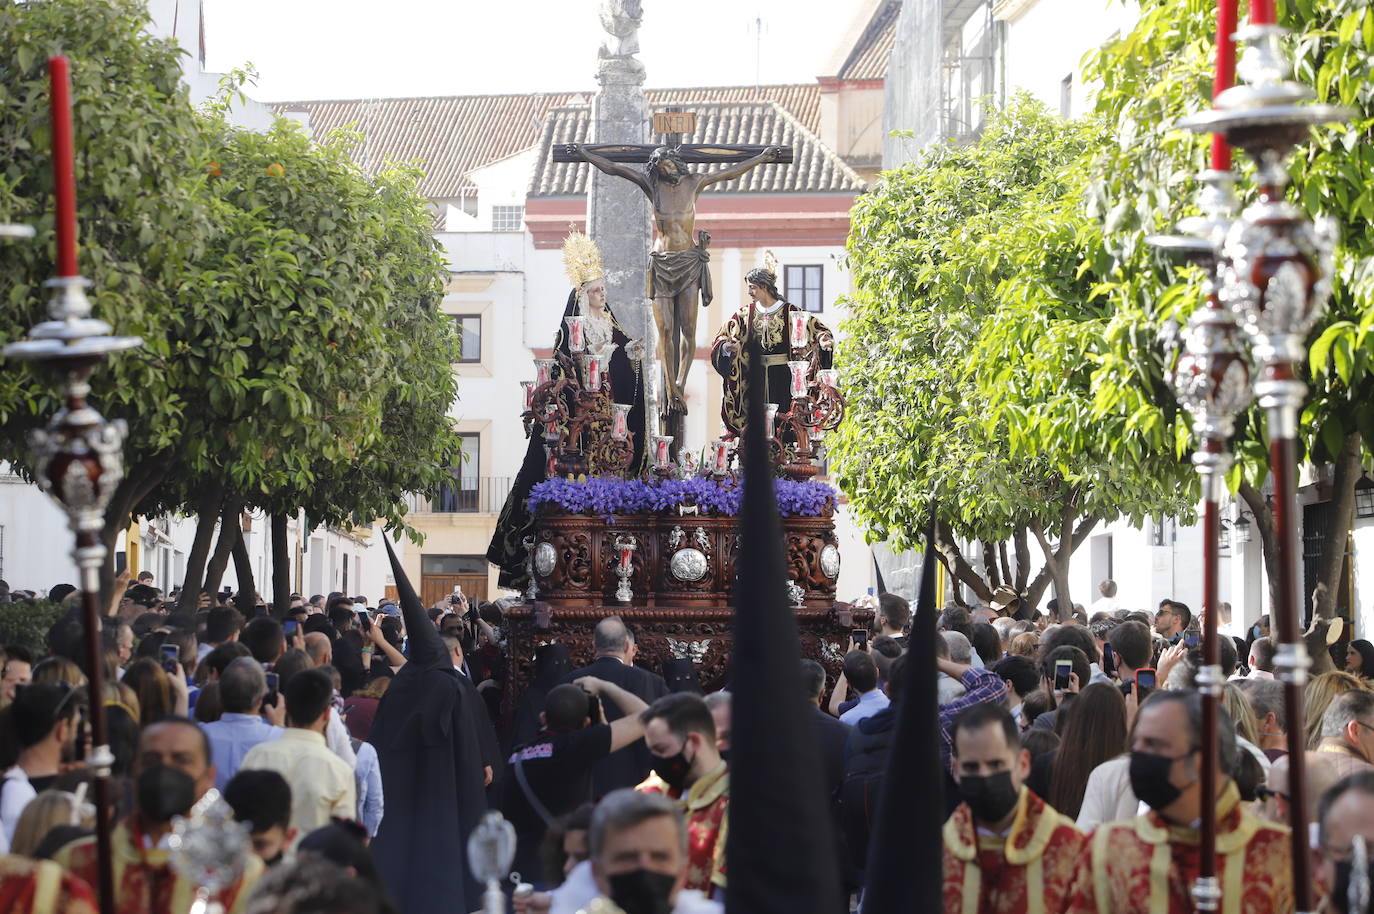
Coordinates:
593 708
1108 660
271 697
170 653
260 610
1062 669
1144 683
860 638
289 627
1191 640
364 619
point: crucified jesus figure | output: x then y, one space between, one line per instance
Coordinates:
679 265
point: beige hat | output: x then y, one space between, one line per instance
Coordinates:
1003 597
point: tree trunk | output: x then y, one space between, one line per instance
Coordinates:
140 479
208 513
281 567
959 567
1058 557
1006 565
1264 526
219 559
990 564
247 596
1332 561
1022 560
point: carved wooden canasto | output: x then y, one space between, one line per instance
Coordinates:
682 579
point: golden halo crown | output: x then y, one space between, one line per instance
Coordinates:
582 259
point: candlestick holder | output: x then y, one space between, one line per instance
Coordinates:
491 849
1275 277
531 586
1211 381
76 460
586 433
210 849
625 547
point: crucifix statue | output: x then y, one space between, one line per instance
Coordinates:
679 274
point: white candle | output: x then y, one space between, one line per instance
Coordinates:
594 373
770 416
576 340
720 452
798 369
544 370
829 377
662 443
620 421
796 322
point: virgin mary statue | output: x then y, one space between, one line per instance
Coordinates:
601 332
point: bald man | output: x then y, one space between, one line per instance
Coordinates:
319 647
1320 775
614 663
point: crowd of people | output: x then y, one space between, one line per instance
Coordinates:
1071 750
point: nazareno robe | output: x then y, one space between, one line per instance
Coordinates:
507 550
772 333
430 752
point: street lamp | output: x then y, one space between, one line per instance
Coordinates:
1364 497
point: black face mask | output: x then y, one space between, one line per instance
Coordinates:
990 798
163 792
642 891
673 769
1150 780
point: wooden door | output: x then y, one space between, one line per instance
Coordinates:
439 586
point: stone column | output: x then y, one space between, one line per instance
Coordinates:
618 216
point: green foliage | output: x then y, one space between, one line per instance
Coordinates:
976 328
293 349
143 222
1145 183
27 624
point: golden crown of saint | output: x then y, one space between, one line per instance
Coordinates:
582 259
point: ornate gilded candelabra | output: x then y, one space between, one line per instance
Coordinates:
1274 276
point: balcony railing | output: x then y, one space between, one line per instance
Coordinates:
466 495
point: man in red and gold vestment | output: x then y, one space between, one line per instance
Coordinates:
1147 865
681 735
172 772
29 886
1006 850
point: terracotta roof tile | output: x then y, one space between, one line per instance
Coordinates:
815 167
451 136
869 58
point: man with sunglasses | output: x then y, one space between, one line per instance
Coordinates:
44 719
1348 732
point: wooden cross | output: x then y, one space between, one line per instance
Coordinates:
672 124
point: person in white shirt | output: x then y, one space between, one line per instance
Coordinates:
43 718
1107 603
322 786
862 675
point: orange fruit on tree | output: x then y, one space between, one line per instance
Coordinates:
213 170
275 170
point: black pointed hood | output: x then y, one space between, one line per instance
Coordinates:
781 845
426 648
905 859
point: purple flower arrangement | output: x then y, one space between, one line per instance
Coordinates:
607 496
